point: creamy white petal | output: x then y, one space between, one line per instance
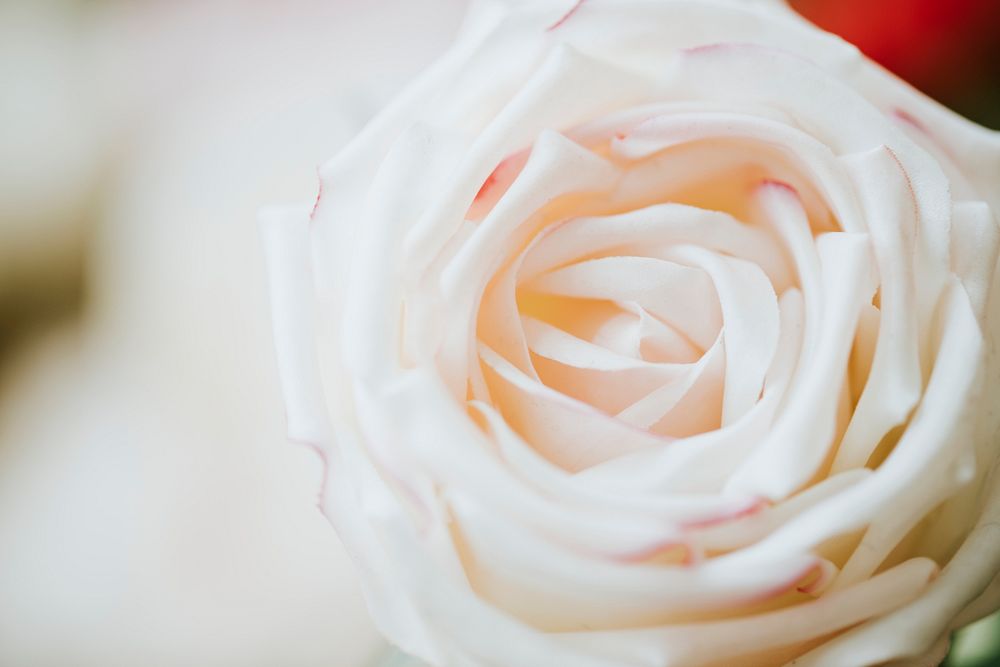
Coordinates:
894 380
677 395
286 242
569 80
634 232
706 461
559 589
688 510
569 433
750 324
747 638
680 295
508 227
803 433
926 447
975 243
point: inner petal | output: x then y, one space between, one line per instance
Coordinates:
752 324
594 374
658 341
682 296
620 333
635 232
686 404
570 433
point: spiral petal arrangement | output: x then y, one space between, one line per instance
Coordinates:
653 333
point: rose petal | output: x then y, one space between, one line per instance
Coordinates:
975 243
680 295
286 242
561 589
705 462
569 433
750 323
801 437
510 225
634 232
567 81
927 446
684 645
894 380
696 411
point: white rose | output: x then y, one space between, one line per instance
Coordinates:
645 333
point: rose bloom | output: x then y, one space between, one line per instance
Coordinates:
645 333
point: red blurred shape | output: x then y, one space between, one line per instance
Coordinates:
940 46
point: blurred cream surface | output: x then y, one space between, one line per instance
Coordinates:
151 510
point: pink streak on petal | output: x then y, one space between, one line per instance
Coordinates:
709 48
825 572
496 184
909 182
487 184
511 164
565 16
319 194
787 585
719 48
656 549
752 507
910 120
770 182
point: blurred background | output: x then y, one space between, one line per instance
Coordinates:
151 512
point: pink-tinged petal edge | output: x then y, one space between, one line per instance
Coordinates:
565 16
753 506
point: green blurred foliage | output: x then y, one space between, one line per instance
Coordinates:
977 645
